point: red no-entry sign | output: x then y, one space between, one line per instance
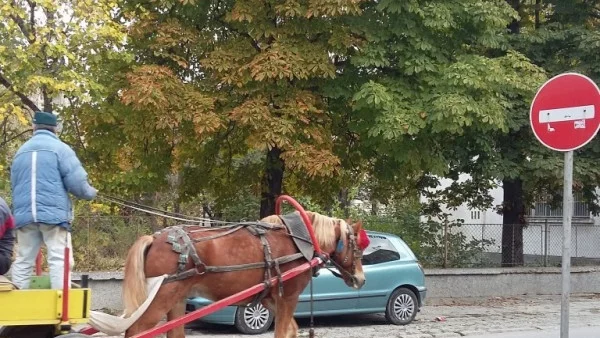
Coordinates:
564 116
565 113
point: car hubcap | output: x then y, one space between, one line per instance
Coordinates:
404 307
256 317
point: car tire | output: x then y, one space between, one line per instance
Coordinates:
253 320
402 307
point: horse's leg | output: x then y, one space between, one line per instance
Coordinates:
292 330
177 311
166 298
285 325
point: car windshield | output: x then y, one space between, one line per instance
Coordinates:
380 250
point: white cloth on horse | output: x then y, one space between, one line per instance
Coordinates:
116 325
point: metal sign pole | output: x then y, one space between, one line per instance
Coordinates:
566 258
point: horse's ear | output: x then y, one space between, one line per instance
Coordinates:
358 225
310 214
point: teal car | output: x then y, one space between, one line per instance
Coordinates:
395 285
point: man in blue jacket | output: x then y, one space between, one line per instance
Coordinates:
7 237
43 173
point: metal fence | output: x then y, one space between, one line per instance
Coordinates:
102 242
456 245
543 209
541 242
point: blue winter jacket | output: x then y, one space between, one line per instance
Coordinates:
43 172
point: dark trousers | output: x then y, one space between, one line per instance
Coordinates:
5 262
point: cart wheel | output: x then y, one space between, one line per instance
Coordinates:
73 335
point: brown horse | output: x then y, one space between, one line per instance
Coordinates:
222 261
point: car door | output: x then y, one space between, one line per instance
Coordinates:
331 295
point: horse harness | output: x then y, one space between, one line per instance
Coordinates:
356 254
183 242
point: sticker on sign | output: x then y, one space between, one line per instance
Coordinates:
576 114
563 113
567 114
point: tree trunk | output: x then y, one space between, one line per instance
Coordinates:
538 9
344 202
272 182
47 100
513 206
515 25
374 207
513 212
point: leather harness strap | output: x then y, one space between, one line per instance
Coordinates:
183 244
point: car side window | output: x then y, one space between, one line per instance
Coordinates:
380 250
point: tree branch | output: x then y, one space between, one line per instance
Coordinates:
253 42
76 124
32 5
15 137
245 34
4 127
30 37
26 101
47 99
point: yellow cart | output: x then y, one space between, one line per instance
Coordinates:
42 312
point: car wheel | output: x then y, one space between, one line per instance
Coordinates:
401 308
253 320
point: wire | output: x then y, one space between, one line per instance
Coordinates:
162 213
153 212
150 208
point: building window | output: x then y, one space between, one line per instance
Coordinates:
475 214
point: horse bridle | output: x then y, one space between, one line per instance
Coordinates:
356 254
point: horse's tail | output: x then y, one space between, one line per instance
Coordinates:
134 281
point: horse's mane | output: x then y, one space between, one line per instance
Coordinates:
324 228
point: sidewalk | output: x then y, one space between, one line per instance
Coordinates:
579 332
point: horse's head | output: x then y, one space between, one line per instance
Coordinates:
345 244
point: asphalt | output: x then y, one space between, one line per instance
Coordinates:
496 317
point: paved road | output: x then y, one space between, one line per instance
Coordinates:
579 332
517 317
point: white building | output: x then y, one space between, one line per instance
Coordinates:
542 236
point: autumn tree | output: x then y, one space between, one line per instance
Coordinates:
226 94
51 53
